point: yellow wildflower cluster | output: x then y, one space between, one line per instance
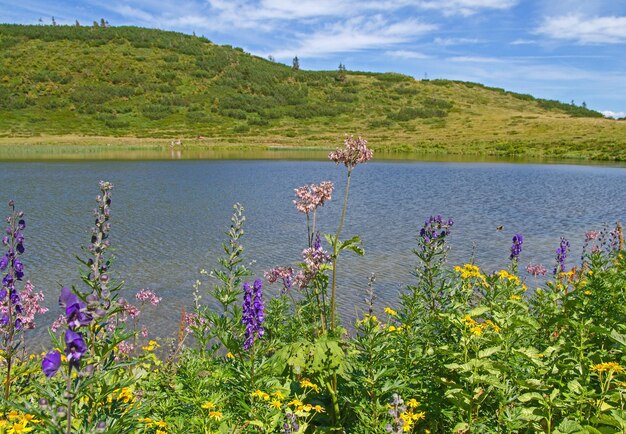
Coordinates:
125 395
368 319
18 423
307 384
152 345
300 406
409 418
516 297
159 424
477 328
503 274
390 311
260 394
393 328
213 414
609 367
469 271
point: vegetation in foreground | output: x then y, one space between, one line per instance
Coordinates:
75 84
465 351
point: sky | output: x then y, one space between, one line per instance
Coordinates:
568 50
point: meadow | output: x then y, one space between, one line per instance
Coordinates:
128 87
465 351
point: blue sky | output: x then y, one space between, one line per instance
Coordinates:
557 49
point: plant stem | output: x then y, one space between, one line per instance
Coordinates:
335 255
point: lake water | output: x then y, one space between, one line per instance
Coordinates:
169 217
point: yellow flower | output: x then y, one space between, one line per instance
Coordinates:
392 328
412 403
503 274
609 367
279 395
19 428
146 420
468 271
126 395
217 415
151 346
515 297
230 355
295 403
306 407
160 432
306 383
319 408
390 311
260 394
161 424
588 292
13 415
276 404
495 327
208 405
29 418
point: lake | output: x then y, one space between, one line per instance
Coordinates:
169 218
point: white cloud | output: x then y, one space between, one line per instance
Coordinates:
406 54
582 30
356 34
612 114
476 59
524 42
466 7
445 42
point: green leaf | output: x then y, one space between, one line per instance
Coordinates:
525 397
488 352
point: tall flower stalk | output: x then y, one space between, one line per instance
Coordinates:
355 151
11 322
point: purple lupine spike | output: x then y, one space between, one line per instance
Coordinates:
561 255
516 247
253 312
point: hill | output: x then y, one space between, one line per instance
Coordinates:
61 82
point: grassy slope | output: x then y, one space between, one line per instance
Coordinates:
60 84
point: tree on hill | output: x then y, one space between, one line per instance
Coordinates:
295 64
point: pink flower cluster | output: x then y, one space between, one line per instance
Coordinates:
146 295
591 235
193 320
355 151
130 310
312 196
30 302
536 269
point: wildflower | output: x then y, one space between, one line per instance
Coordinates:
536 269
561 255
295 403
146 295
160 432
279 395
291 425
516 248
307 384
19 428
75 347
51 363
230 355
609 367
253 315
217 415
208 405
152 345
318 408
312 196
355 151
390 311
435 230
515 297
276 404
412 403
591 235
503 274
469 271
286 274
260 394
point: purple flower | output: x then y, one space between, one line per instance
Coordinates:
253 312
51 363
4 262
75 347
435 230
561 255
516 248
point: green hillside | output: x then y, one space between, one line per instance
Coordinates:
77 84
